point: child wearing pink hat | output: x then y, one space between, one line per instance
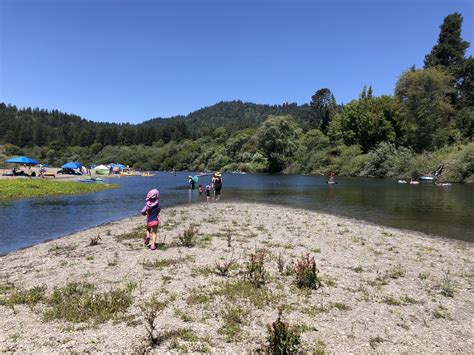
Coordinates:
152 212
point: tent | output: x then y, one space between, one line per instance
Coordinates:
72 165
22 160
101 170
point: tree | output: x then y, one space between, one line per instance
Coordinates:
276 138
449 54
450 49
323 104
426 113
365 122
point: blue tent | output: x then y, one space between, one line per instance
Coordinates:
22 160
72 165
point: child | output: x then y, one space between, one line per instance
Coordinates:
152 212
200 190
208 192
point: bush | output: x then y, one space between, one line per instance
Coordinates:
188 238
282 338
306 273
387 160
255 269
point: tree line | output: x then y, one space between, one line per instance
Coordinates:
428 120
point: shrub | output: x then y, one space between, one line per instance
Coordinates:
188 238
95 240
224 267
447 285
306 273
282 338
255 269
280 263
150 310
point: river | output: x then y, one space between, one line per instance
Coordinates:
445 211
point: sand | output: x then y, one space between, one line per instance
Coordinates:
383 289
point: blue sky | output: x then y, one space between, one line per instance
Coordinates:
129 61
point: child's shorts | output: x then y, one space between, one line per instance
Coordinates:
153 225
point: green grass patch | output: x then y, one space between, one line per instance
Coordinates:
79 302
234 291
137 233
22 188
161 263
29 297
233 318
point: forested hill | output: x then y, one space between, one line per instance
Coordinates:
231 115
38 127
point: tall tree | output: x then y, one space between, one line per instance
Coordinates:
451 48
323 104
277 138
449 53
426 115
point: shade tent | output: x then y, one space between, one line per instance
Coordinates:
120 166
22 160
72 165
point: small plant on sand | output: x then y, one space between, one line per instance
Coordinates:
95 240
306 273
396 272
280 263
229 240
255 271
150 311
374 341
224 267
282 338
447 285
440 312
188 238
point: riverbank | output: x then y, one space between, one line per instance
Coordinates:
383 289
25 188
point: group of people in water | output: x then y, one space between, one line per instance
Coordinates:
215 186
152 207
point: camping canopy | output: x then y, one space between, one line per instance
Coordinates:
72 165
22 160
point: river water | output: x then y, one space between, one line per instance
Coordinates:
445 211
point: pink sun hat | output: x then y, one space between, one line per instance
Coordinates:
152 197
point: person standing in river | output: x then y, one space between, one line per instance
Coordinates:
217 182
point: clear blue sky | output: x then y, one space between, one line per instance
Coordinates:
129 61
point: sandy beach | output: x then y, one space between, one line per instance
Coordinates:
382 289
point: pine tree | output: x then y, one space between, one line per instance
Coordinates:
450 50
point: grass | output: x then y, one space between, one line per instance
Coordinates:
79 302
404 300
440 313
161 263
24 188
447 285
28 297
137 233
234 291
396 272
233 318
